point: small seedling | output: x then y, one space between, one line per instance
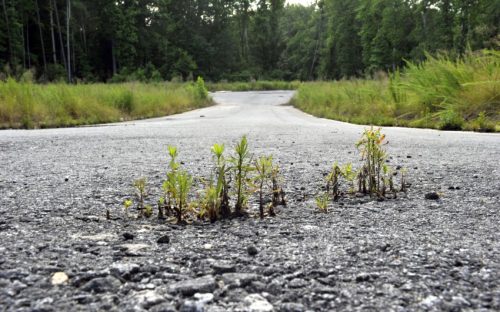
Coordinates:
322 202
403 180
241 168
141 193
223 180
183 186
126 205
333 181
263 167
148 211
161 205
278 192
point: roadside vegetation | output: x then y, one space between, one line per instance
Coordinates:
28 105
258 85
438 93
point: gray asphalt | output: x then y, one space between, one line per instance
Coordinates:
54 183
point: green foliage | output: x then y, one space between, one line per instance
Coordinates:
176 188
264 170
374 156
450 120
241 168
141 193
222 181
322 202
259 85
374 178
127 204
201 90
57 105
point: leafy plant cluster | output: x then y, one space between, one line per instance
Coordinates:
225 193
374 178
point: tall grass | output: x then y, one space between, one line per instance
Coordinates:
259 85
27 105
439 93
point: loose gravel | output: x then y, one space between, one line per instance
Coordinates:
59 253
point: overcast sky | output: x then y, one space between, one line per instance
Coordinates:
304 2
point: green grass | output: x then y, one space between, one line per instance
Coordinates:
27 105
260 85
440 93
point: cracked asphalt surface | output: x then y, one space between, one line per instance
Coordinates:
404 254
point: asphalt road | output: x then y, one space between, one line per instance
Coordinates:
405 254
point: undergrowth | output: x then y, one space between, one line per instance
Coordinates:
28 105
439 93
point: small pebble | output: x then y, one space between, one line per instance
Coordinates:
163 240
432 196
128 236
252 250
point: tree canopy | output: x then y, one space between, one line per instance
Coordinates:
109 40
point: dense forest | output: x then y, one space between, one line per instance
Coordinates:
234 40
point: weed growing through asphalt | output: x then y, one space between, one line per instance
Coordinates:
141 194
374 178
263 167
237 173
222 180
126 205
241 168
322 202
278 192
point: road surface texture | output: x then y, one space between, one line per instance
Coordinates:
403 254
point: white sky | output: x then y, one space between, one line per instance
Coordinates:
304 2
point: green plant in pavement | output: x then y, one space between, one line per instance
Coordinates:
241 168
126 205
141 194
183 183
322 202
373 156
263 167
278 192
222 180
333 181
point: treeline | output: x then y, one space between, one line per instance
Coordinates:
234 40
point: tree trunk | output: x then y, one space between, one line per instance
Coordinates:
113 58
28 45
24 44
8 31
68 17
63 54
54 53
41 36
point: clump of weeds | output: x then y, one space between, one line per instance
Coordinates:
375 178
238 173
